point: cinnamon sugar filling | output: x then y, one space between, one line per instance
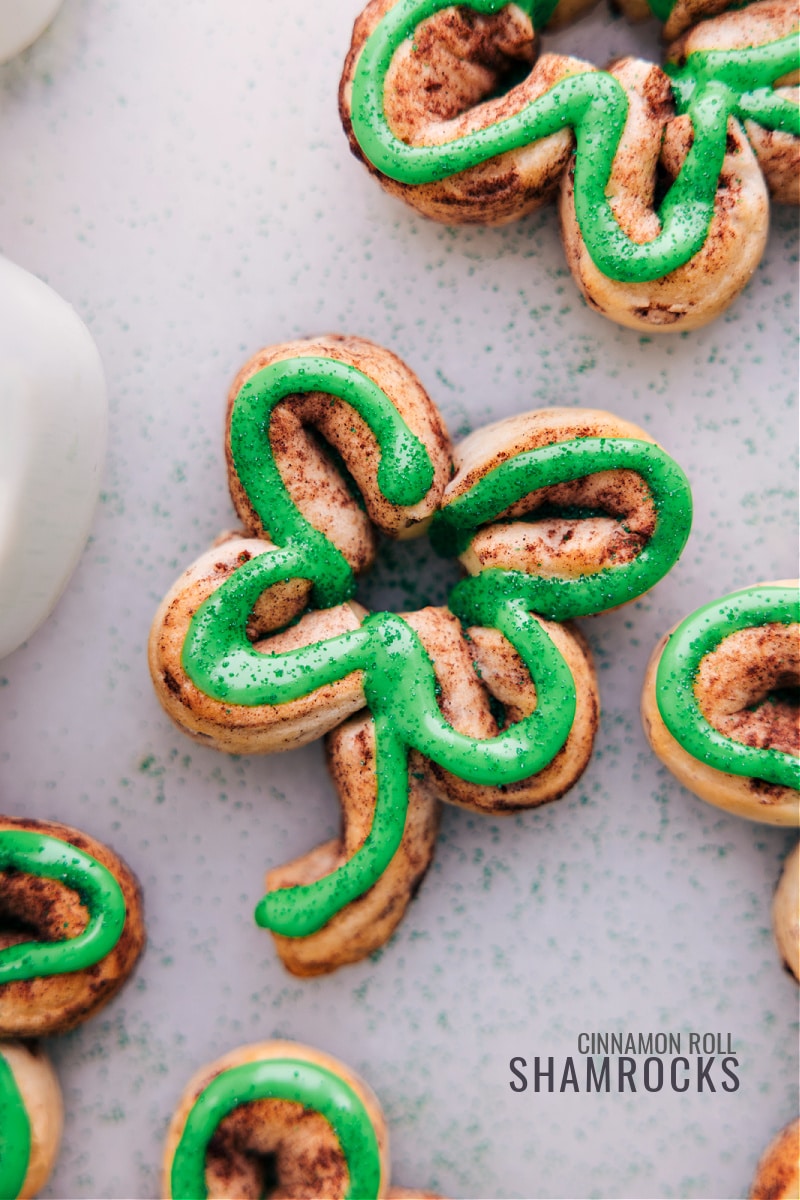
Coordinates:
749 687
582 527
275 1148
39 910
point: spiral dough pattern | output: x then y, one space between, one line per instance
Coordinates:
490 703
71 930
425 102
312 1120
718 705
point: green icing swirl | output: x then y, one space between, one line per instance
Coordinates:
398 678
697 636
50 858
400 689
560 599
405 471
302 1082
662 9
711 87
15 1134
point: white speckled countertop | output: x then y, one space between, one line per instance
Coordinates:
178 173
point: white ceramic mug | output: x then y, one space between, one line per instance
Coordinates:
22 22
53 417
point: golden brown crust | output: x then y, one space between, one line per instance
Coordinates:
256 729
41 1095
778 1172
45 910
786 913
567 11
307 1156
738 688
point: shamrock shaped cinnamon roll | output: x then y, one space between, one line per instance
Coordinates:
663 173
490 703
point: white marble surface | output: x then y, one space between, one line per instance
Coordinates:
178 173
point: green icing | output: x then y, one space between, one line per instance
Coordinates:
696 637
313 1086
299 911
559 599
15 1134
405 471
400 688
50 858
711 87
398 678
541 11
745 79
662 9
